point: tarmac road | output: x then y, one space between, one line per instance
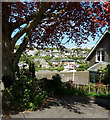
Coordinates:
70 107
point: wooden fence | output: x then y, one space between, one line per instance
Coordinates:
98 88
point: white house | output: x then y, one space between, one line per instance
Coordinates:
68 63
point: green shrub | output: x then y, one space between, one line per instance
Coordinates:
52 86
24 92
83 67
60 68
106 79
56 81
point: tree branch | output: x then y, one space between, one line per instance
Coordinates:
31 17
21 48
32 24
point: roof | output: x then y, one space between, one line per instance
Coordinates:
53 61
106 31
67 60
97 66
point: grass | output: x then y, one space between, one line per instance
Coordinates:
51 69
100 95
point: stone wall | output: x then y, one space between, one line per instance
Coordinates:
66 76
79 77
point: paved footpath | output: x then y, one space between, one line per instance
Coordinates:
70 107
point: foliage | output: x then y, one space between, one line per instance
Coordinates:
88 12
25 94
7 80
49 63
104 74
32 69
26 58
101 95
83 67
23 58
60 68
53 86
16 47
106 79
56 81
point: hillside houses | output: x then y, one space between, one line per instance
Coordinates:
55 63
53 57
56 53
80 52
68 63
44 53
31 52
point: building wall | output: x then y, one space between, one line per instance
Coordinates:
78 77
103 45
81 77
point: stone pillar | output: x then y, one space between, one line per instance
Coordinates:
74 75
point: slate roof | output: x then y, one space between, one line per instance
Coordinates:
97 66
92 50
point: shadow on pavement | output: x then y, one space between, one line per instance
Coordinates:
71 103
102 102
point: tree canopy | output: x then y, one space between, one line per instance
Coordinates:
48 22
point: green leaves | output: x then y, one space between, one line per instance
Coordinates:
83 67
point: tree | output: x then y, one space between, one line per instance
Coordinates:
47 23
83 67
106 79
104 74
32 69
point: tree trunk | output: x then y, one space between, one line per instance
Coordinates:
9 58
7 62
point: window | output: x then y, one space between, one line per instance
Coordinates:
100 55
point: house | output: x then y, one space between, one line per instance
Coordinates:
56 51
44 54
56 55
31 52
68 63
99 56
68 53
44 64
55 63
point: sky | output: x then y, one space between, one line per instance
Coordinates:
89 45
69 45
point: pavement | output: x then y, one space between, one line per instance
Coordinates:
70 107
